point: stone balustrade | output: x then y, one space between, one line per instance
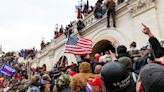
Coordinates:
89 21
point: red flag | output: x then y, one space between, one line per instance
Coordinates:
78 13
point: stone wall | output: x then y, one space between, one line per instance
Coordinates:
130 15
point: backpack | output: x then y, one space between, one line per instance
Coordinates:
63 82
41 87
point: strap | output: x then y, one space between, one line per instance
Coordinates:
134 77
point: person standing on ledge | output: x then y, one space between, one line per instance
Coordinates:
110 5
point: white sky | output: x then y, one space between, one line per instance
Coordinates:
23 23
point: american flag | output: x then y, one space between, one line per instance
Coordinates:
80 46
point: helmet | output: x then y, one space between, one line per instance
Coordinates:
126 61
115 76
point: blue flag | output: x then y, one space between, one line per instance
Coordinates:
7 70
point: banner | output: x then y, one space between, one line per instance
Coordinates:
7 70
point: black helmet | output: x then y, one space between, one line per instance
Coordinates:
115 76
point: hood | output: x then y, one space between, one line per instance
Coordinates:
85 67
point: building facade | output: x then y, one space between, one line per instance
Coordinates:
129 16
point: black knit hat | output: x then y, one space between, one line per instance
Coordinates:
121 49
152 77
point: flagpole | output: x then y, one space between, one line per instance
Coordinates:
81 5
62 60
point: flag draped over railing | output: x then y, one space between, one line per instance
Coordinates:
80 46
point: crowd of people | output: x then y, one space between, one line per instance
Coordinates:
84 9
66 31
123 70
99 10
28 53
103 6
21 68
133 70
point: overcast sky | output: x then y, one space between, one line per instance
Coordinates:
23 23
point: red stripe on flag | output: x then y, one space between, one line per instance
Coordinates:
7 71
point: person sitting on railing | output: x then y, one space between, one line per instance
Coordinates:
56 35
70 25
86 10
72 22
32 53
99 10
80 25
47 43
42 45
68 30
59 34
61 29
91 8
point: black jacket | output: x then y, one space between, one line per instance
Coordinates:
158 51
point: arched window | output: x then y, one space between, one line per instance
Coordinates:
120 1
